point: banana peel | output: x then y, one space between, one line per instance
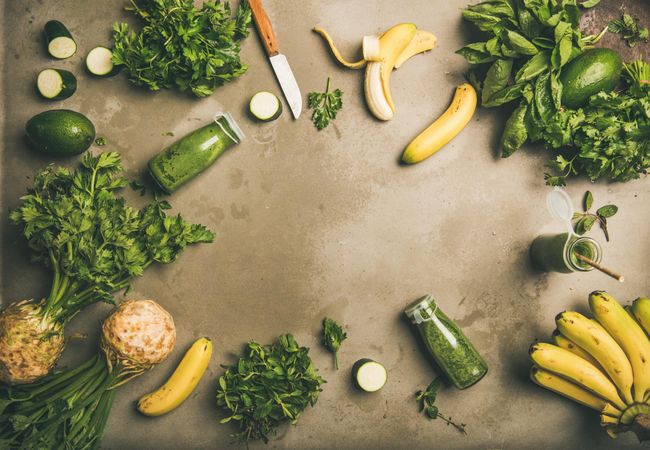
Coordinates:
380 57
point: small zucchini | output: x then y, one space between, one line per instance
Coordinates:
99 62
56 84
60 44
265 106
369 375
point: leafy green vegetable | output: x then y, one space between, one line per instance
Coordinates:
93 242
181 46
427 399
333 336
583 222
629 29
326 106
607 138
268 386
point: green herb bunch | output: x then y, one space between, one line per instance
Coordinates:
269 386
93 242
427 398
607 138
326 105
333 336
181 46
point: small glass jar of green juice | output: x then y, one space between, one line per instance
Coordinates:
195 152
446 343
560 253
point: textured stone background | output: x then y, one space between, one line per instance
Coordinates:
312 224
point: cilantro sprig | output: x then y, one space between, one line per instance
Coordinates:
326 106
427 398
629 29
181 46
333 336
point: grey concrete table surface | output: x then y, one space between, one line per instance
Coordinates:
313 223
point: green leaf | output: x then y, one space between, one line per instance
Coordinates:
515 132
496 79
325 105
589 200
607 211
589 3
533 67
505 95
588 223
520 44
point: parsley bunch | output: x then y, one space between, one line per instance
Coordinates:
326 106
269 386
607 138
182 46
629 29
92 241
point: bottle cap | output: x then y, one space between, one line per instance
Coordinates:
423 304
560 205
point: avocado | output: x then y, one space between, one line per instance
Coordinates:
595 70
60 132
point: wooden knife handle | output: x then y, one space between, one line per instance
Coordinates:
264 28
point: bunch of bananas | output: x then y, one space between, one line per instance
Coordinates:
602 363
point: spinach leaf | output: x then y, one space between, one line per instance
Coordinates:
519 43
515 132
496 79
506 95
533 67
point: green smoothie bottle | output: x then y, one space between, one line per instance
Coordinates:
446 343
558 252
195 152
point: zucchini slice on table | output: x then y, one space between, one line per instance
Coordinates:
60 44
99 62
265 106
56 84
369 375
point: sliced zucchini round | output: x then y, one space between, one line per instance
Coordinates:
265 106
56 84
369 375
100 62
60 44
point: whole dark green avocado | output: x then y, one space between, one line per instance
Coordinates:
60 132
595 70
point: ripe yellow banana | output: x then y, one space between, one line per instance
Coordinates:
594 339
628 334
574 368
422 42
445 128
182 382
641 311
377 82
566 344
559 385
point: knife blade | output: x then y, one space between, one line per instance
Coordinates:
279 62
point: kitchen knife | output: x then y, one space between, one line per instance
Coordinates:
279 62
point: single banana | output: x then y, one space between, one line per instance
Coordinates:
445 128
641 311
595 340
574 368
559 385
182 382
377 82
422 42
628 334
563 342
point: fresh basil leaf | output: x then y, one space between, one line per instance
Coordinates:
533 67
607 211
514 133
493 46
589 200
519 43
496 79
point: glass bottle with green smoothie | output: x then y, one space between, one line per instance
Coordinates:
560 253
195 152
449 347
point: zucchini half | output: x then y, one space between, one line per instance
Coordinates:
99 62
56 84
60 44
369 375
265 106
